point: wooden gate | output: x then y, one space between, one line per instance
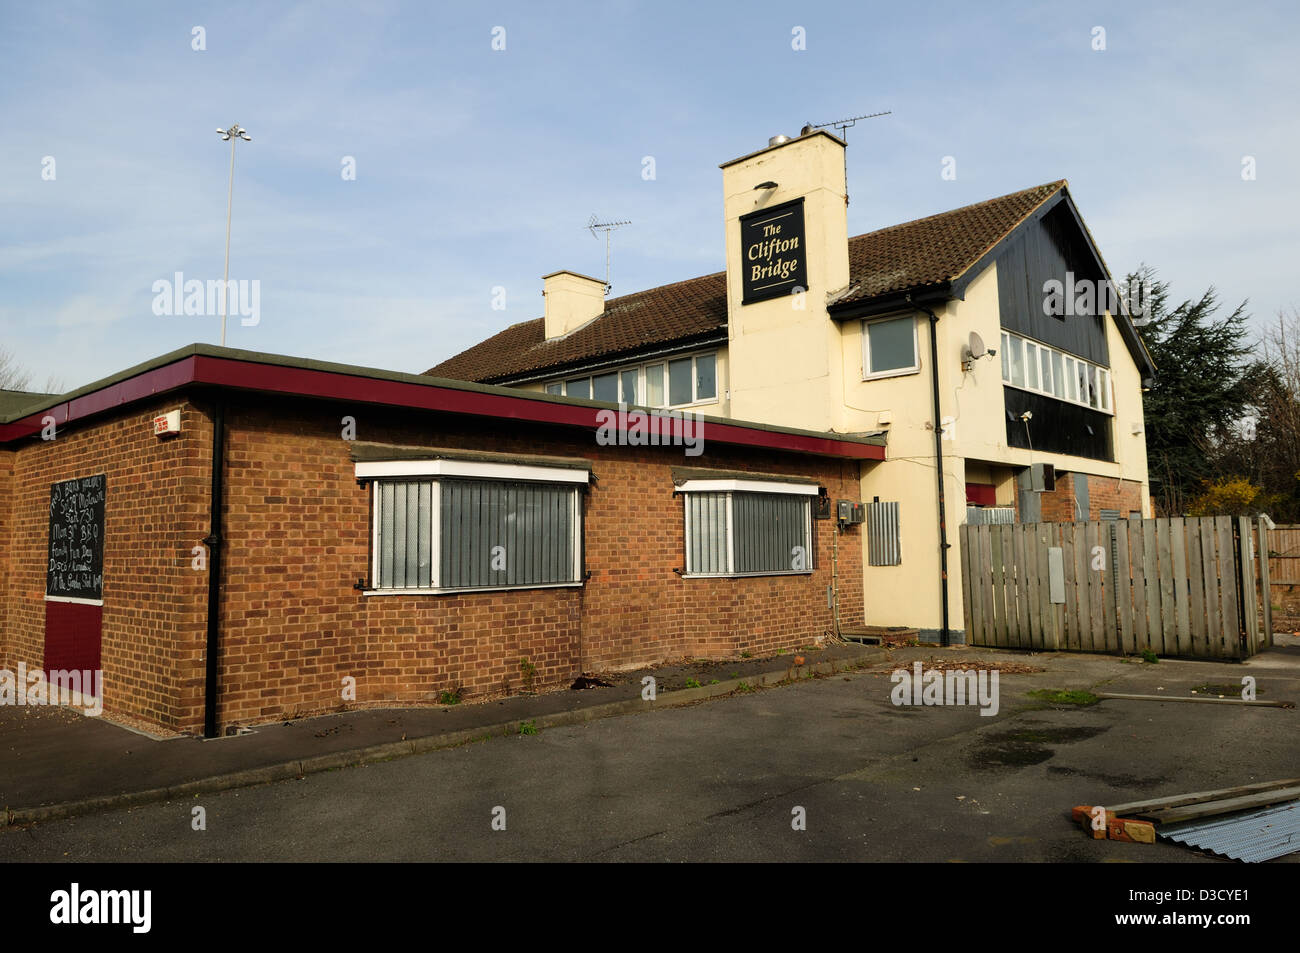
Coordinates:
1176 587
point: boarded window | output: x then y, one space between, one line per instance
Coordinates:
884 538
476 534
739 533
405 542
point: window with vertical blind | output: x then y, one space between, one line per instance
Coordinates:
747 528
464 526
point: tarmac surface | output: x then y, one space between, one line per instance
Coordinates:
729 778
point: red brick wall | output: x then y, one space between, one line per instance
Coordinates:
1112 493
1104 493
6 554
297 530
155 511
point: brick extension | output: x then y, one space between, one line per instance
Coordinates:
297 530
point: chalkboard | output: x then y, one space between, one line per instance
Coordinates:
76 567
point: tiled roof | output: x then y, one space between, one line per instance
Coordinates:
916 254
939 248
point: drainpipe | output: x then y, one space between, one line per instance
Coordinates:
938 466
213 542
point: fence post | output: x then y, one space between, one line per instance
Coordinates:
1266 586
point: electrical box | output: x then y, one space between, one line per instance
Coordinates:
844 511
857 513
822 507
168 424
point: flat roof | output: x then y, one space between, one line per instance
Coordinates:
254 371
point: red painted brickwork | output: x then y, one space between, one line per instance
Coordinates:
297 531
155 511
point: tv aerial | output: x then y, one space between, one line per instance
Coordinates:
595 226
843 125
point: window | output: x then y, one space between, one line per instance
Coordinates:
605 387
679 382
438 528
748 528
1017 363
889 347
627 381
706 377
1032 366
654 385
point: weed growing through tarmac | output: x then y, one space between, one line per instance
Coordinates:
452 696
1149 656
692 683
528 728
1064 697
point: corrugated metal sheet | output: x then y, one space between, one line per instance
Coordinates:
405 535
1251 837
884 535
766 528
990 515
532 522
706 533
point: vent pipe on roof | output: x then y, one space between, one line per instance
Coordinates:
778 140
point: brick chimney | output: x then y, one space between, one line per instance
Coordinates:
571 301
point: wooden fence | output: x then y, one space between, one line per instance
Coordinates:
1178 587
1284 555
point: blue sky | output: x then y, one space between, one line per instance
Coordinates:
477 168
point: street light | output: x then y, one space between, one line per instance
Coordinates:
232 134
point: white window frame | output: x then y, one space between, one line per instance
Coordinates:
433 470
870 375
1098 377
730 487
641 380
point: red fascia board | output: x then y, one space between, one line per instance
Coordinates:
332 385
160 380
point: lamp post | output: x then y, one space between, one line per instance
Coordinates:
232 134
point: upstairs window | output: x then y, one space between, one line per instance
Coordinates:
677 382
889 347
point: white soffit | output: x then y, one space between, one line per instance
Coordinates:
470 468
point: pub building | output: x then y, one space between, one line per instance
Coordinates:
233 537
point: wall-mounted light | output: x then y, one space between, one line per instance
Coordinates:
765 185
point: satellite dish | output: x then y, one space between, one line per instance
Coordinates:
976 348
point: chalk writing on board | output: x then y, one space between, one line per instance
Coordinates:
76 559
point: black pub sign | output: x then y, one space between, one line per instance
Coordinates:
773 255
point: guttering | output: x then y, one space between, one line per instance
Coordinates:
634 357
938 467
275 374
214 543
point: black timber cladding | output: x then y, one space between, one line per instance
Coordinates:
1057 426
1043 251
